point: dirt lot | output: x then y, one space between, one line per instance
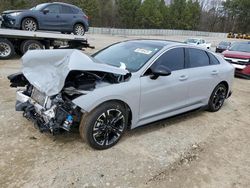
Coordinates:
198 149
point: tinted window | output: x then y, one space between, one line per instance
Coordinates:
173 59
213 59
53 9
67 10
197 58
75 11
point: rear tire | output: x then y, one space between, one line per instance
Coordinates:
103 127
217 98
79 29
29 24
30 45
6 49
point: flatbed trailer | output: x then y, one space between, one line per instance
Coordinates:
14 41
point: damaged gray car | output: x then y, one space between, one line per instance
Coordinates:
125 85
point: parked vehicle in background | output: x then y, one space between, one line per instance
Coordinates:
125 85
239 56
223 45
231 35
246 36
239 36
60 17
198 42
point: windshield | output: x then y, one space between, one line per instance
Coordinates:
39 7
223 43
241 47
191 41
130 55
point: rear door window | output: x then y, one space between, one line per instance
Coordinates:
172 59
213 59
197 58
67 10
75 11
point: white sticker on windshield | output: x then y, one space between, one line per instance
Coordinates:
143 51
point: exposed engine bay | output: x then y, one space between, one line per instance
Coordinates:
52 113
46 92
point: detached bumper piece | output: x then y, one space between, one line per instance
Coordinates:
46 120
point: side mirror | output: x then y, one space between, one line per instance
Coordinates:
159 71
198 43
45 11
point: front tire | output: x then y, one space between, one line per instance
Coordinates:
103 127
217 98
79 29
29 24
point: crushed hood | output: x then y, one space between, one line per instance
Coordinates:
47 69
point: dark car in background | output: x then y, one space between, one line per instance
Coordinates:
60 17
223 45
239 56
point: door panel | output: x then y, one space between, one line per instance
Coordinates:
201 83
163 95
203 77
52 19
166 94
67 17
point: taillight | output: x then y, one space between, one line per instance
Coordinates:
86 17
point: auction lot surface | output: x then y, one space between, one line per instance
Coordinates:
198 149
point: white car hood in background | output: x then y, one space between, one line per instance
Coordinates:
47 69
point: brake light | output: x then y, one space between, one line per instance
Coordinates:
86 17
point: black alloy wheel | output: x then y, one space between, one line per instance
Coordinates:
104 126
217 98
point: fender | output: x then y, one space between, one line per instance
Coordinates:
128 92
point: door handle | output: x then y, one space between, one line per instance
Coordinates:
215 72
57 16
183 77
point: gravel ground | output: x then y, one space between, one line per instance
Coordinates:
198 149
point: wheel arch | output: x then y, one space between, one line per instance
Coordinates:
226 84
124 104
33 17
80 22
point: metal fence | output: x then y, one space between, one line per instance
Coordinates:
155 32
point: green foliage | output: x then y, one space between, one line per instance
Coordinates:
13 4
239 11
126 12
149 15
234 15
184 14
91 9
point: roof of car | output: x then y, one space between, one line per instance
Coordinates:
61 3
158 42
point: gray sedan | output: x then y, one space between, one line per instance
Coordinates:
125 85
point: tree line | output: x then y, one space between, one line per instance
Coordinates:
213 15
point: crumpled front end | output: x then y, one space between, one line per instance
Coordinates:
51 80
49 114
